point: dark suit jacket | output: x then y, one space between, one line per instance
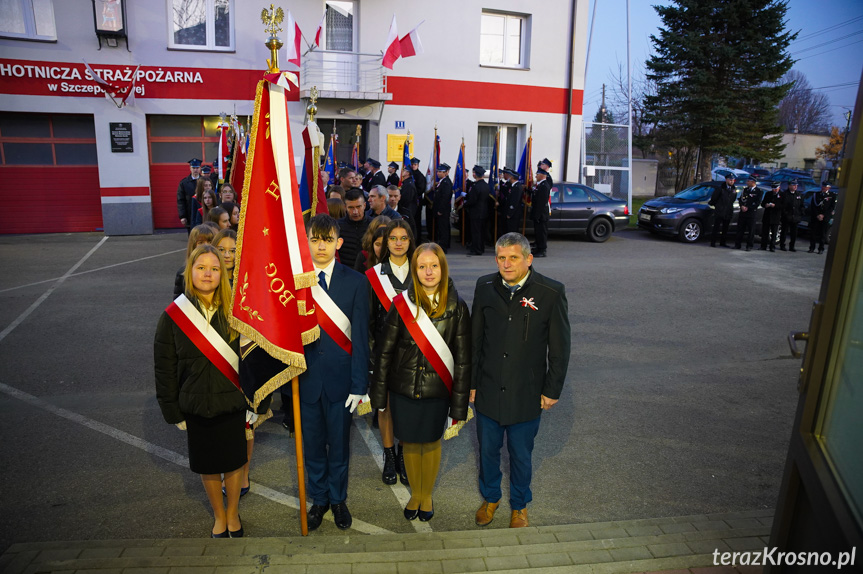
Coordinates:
442 202
519 353
539 205
330 371
185 194
477 199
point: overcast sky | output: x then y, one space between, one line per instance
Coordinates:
829 48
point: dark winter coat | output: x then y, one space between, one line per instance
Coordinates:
378 312
185 194
792 206
519 352
352 234
402 368
750 198
477 199
772 215
186 380
722 200
442 202
539 204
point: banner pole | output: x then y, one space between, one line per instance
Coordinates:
298 445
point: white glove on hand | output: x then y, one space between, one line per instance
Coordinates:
251 417
353 401
181 425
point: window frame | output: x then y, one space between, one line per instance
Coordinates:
524 49
30 24
50 140
203 139
210 29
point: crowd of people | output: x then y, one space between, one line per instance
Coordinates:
783 212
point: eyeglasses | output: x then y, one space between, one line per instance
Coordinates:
224 250
402 239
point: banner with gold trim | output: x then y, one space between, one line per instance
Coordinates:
272 302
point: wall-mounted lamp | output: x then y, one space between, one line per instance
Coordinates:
341 110
109 20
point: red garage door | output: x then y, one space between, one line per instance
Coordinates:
49 174
173 141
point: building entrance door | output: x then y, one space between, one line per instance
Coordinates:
820 509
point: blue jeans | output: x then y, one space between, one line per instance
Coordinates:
519 443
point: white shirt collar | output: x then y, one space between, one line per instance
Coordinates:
328 271
520 283
401 271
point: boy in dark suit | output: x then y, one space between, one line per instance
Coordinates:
336 376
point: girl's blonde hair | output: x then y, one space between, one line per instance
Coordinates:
198 232
442 290
222 298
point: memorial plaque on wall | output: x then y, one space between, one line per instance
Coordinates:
121 137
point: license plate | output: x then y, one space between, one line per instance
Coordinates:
644 217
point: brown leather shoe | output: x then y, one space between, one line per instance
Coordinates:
485 514
518 518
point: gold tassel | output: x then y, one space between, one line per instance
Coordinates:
454 430
250 432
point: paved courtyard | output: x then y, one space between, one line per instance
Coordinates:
679 398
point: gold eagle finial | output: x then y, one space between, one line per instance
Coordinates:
272 18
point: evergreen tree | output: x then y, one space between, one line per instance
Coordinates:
717 65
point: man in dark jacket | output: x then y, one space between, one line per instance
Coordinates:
722 201
442 206
750 199
545 164
353 226
792 213
186 192
539 212
821 216
772 204
374 176
393 177
477 209
512 205
408 206
521 346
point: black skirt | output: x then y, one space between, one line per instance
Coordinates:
418 420
217 444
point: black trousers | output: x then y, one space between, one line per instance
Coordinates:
442 230
818 232
745 226
768 234
430 221
789 229
477 245
540 230
720 226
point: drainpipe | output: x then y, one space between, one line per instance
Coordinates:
569 94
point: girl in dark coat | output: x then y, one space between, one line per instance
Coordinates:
419 397
196 396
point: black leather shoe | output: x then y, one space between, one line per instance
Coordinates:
411 514
316 515
342 516
782 248
220 535
389 474
812 250
426 516
400 466
236 533
539 254
792 250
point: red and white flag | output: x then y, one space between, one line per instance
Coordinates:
410 44
294 36
320 30
392 51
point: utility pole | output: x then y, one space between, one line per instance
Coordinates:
844 141
602 130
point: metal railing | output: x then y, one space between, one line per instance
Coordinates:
343 71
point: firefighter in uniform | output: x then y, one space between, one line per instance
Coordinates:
749 200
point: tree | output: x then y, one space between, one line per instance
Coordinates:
642 130
717 65
831 150
803 110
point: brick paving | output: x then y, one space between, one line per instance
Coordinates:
677 545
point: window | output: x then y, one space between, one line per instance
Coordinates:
45 139
201 25
575 194
508 146
339 28
177 139
28 19
503 40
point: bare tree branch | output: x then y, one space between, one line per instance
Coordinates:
803 110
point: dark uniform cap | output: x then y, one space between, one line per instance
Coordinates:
512 172
194 162
479 170
775 184
546 161
730 176
793 182
751 178
393 165
443 167
374 163
215 163
541 171
206 170
415 161
342 164
825 184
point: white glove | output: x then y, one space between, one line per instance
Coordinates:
353 401
251 417
181 425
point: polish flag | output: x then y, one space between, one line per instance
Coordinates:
393 51
294 36
411 45
320 30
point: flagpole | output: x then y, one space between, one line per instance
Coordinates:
527 179
463 187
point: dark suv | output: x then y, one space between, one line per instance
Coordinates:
687 215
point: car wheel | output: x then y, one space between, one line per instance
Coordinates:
690 231
599 230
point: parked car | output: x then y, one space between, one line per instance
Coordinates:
720 173
687 215
580 210
805 183
759 172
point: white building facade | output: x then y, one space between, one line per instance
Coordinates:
71 160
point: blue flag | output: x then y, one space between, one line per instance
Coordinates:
523 165
492 177
458 181
406 156
330 165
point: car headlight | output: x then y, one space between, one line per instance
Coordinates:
670 209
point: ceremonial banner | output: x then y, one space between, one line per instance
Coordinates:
331 162
238 164
313 197
272 302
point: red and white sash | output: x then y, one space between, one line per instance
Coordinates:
427 338
332 319
195 326
382 285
